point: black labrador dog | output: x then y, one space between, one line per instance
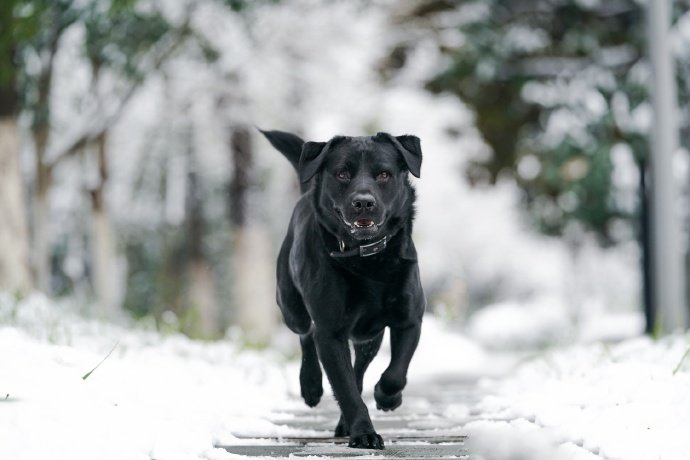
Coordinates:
348 269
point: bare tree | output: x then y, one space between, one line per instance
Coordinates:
14 248
201 293
58 18
15 275
93 127
252 267
102 240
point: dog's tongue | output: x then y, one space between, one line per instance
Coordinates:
364 223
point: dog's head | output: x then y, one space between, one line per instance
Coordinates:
361 186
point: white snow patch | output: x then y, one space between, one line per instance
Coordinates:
518 440
154 397
621 401
520 324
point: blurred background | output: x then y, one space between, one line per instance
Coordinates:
133 182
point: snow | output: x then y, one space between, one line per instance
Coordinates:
168 397
620 401
154 397
519 38
518 440
514 324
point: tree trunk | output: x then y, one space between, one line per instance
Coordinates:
44 173
252 264
41 248
102 243
201 294
254 283
202 300
15 275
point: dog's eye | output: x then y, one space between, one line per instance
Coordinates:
383 176
343 175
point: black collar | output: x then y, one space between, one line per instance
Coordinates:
364 250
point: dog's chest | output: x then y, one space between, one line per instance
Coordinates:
370 311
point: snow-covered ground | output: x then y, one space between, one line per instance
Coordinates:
625 401
168 397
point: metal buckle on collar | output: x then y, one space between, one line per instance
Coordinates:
367 250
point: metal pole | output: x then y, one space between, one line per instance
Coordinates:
667 256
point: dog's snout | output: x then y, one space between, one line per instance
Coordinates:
363 201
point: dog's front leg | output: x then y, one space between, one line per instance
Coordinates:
388 391
334 354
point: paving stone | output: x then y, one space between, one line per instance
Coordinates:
422 428
417 450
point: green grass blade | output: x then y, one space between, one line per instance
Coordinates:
86 376
682 360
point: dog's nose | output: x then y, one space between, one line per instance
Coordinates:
363 201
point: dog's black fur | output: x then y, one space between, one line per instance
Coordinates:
355 191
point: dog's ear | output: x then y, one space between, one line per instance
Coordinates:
410 148
290 145
313 155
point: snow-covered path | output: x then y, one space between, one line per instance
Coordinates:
167 397
427 425
437 415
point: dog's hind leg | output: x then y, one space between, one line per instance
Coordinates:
298 320
364 354
310 377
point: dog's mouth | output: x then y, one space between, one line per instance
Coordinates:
363 223
360 227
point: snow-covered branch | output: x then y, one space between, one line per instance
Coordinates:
95 124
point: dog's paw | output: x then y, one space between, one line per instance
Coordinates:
311 387
385 401
312 394
366 441
310 381
342 429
